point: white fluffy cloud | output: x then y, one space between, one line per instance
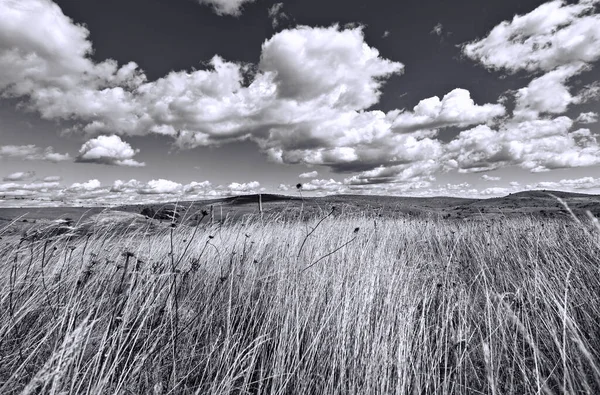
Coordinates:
195 187
352 141
35 186
561 41
108 150
226 7
324 185
31 190
32 152
583 183
126 186
310 174
456 108
547 94
165 189
587 117
161 186
49 63
332 65
537 145
20 176
241 188
552 35
89 185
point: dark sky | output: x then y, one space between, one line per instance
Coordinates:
426 36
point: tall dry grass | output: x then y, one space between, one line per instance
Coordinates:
419 306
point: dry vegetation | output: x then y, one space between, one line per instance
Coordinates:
358 304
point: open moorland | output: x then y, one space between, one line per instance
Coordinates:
544 204
336 295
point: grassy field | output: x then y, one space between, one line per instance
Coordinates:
346 302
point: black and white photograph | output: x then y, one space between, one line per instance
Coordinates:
305 197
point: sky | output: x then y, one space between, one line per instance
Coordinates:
111 102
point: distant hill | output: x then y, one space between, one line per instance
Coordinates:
265 197
544 193
538 202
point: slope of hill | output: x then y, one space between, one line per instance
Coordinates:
540 203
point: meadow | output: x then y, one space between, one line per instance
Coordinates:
339 303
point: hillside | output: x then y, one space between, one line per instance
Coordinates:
536 203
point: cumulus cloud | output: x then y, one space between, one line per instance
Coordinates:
45 189
331 64
191 190
108 150
32 152
197 187
35 186
456 108
331 186
537 145
558 39
89 185
226 7
30 191
126 186
561 41
583 183
52 66
240 188
547 94
310 174
587 117
355 142
160 186
20 176
552 35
